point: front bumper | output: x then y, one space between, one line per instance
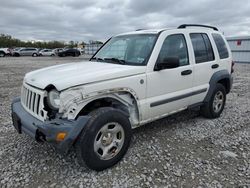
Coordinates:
48 130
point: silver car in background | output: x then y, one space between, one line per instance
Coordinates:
47 52
25 52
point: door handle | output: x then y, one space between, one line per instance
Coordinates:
214 66
186 72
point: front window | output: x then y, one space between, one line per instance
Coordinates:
127 49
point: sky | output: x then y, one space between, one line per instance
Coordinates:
84 20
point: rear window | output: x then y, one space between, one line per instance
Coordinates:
221 45
202 47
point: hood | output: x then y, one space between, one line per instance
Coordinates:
73 74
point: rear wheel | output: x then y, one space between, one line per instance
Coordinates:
105 139
2 54
214 107
34 54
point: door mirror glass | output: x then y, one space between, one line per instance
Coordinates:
168 63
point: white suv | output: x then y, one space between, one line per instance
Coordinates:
4 52
135 78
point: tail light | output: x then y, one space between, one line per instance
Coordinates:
232 67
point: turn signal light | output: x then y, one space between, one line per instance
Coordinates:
60 136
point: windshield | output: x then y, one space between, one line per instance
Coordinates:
127 49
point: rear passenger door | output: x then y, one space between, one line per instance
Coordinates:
205 64
29 51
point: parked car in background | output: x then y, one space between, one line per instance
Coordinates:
69 52
25 52
4 52
57 50
47 52
81 50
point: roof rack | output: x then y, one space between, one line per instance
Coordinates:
140 29
197 25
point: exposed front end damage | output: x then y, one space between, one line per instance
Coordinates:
75 102
48 131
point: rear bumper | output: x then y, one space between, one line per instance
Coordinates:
48 130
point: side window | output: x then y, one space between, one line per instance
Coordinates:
221 45
174 46
210 52
202 47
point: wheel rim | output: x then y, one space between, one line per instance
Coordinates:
218 101
109 140
1 54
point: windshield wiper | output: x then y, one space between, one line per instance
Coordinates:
120 61
97 59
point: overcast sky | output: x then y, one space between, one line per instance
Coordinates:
84 20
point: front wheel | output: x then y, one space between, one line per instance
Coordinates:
105 139
35 55
214 107
2 54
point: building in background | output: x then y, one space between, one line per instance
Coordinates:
240 47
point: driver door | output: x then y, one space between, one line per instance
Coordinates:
170 89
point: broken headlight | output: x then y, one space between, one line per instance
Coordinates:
53 99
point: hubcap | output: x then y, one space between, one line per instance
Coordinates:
218 101
109 141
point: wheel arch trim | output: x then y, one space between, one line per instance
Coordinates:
216 77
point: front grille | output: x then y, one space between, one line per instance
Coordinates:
32 101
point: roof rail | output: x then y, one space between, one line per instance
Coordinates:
196 25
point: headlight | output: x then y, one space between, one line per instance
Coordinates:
54 99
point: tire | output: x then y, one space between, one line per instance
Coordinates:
34 55
2 54
52 55
97 136
16 54
214 107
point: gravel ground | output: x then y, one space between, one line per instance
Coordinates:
183 150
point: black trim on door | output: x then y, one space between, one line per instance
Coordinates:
164 101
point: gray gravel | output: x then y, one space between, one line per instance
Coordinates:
184 150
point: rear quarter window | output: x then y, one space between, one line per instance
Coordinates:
221 46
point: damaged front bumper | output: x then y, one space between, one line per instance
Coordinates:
48 130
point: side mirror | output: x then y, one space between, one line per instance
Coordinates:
168 63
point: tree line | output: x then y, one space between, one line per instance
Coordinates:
7 41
